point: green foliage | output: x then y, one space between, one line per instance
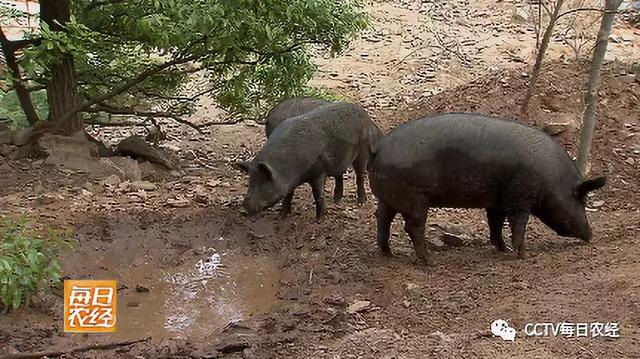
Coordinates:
10 107
27 261
255 52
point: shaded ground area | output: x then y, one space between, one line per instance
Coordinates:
292 288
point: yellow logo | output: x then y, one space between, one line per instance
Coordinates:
90 306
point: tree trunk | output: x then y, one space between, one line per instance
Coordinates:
62 88
535 73
24 97
591 92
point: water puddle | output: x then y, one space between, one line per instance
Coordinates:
175 280
196 298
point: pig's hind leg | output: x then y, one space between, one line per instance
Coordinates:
496 217
385 216
415 227
338 191
360 168
317 188
518 221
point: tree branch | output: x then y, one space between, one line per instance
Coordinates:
21 92
55 353
134 112
568 12
126 86
180 98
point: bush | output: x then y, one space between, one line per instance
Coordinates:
28 261
10 107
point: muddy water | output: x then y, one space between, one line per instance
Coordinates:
196 298
204 290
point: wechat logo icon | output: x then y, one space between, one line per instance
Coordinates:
500 328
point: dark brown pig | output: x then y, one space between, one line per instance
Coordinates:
464 160
308 148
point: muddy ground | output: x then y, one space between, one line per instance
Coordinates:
223 285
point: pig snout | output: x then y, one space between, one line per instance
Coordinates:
249 206
586 234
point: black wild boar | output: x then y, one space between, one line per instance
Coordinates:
464 160
292 108
306 149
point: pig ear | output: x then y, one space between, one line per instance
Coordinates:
243 165
590 185
266 170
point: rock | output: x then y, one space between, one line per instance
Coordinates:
143 185
435 243
6 138
359 306
22 136
142 289
333 299
452 240
233 343
520 16
178 202
68 152
630 161
137 148
597 204
86 193
112 181
213 183
6 150
141 195
102 149
555 128
204 353
89 186
46 199
124 167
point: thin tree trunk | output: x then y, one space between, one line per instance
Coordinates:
24 97
535 73
591 92
62 88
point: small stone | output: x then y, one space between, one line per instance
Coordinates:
22 136
142 289
597 204
359 306
143 186
630 161
333 299
46 199
178 202
6 138
112 181
88 186
406 303
142 195
452 240
6 149
555 128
